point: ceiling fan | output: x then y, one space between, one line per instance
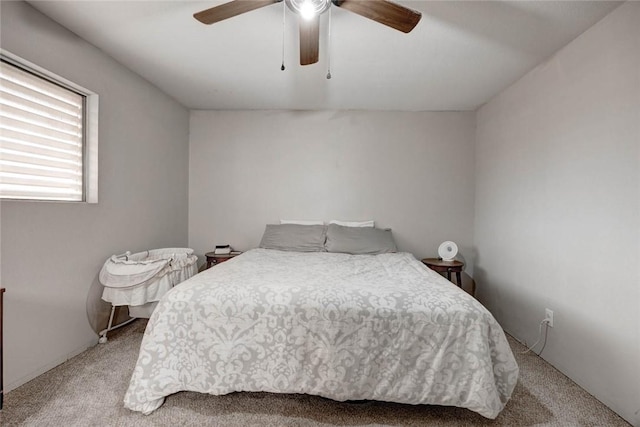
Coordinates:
382 11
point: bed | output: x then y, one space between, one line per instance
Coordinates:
347 327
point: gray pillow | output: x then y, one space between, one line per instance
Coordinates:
294 237
359 240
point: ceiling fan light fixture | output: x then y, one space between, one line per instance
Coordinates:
308 9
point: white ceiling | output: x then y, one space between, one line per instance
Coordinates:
460 55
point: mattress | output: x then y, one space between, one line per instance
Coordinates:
346 327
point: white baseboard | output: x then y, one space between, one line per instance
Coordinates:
26 378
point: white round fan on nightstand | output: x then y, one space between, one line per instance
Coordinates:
448 251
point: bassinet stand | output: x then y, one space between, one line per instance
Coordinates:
110 327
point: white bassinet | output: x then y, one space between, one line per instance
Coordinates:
139 280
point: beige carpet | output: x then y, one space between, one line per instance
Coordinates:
88 390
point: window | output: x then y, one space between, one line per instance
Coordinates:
47 151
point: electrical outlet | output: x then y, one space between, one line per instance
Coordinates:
548 316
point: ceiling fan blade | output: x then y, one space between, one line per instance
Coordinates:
385 12
231 9
309 40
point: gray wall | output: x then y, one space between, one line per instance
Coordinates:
557 220
412 172
52 252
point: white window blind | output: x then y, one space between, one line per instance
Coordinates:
41 138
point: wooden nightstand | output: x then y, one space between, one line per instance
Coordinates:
215 259
437 264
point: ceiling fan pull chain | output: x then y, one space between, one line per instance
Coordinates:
329 49
284 14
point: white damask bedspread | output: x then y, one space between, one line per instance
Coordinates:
379 327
